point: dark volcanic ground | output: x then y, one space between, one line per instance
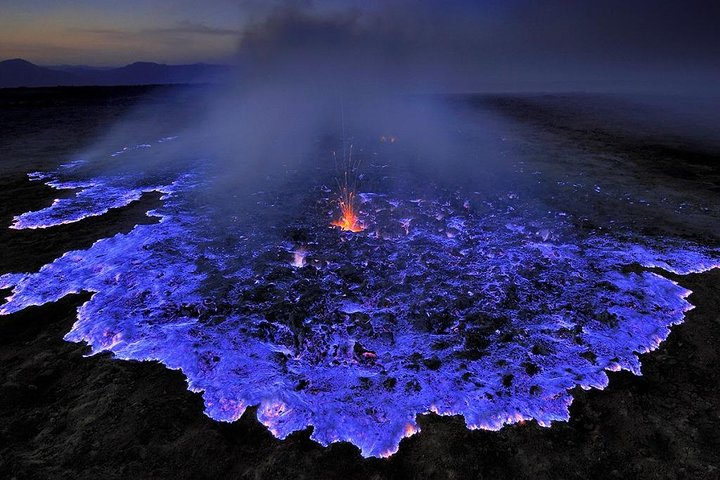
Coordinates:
66 416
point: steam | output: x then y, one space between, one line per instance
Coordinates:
305 85
308 80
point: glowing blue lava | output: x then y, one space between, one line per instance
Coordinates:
488 313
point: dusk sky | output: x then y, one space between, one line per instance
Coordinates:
113 32
582 40
109 32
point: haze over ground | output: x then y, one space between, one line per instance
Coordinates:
557 45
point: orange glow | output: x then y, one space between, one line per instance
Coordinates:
347 186
349 220
410 430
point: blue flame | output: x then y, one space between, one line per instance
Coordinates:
492 315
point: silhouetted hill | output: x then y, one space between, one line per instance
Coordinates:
21 73
18 73
158 73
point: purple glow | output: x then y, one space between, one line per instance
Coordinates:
434 308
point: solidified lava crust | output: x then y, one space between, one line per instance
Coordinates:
490 307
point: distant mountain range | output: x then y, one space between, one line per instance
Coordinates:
21 73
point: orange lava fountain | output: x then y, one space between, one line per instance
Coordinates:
349 220
347 185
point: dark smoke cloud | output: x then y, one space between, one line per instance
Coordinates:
304 66
359 50
302 72
513 45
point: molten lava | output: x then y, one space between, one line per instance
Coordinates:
347 186
349 220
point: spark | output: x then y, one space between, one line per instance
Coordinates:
349 220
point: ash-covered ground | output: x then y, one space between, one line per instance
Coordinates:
489 298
